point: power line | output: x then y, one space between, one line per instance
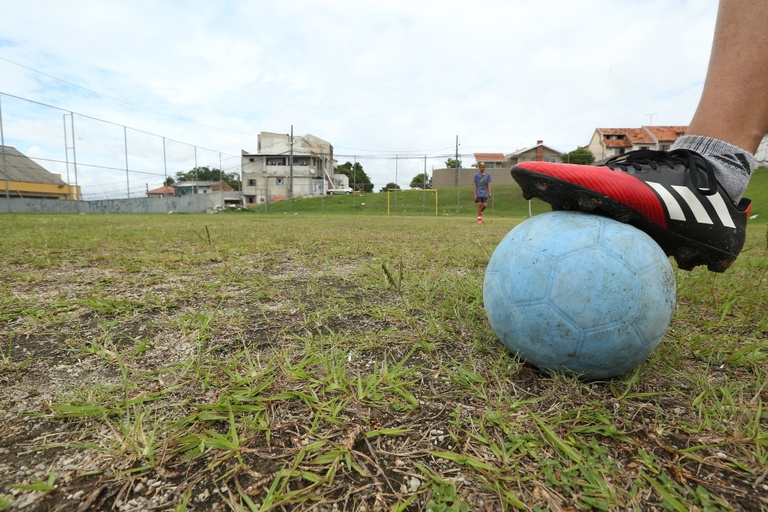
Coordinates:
85 116
395 156
419 152
122 101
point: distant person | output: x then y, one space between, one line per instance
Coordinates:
689 199
482 190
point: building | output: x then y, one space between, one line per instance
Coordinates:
161 192
761 155
491 160
609 142
537 153
497 165
220 193
184 188
288 166
22 177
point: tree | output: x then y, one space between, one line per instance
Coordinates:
208 174
357 177
390 186
452 163
169 181
581 156
421 181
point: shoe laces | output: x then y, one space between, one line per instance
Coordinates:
641 159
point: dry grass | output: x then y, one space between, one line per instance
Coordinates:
329 363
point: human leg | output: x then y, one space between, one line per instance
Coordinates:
734 102
689 199
732 116
481 205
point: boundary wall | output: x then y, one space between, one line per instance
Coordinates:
198 203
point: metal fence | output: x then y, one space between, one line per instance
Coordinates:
110 161
105 159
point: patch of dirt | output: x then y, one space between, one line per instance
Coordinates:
374 450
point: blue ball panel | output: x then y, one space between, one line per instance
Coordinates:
575 292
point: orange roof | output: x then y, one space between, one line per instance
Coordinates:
634 135
162 190
617 143
667 133
490 157
644 135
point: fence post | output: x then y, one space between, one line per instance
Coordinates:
5 166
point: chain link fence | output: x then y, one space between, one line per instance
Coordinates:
105 160
115 166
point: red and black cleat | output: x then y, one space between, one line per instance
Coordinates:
672 196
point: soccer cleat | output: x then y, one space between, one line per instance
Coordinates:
672 196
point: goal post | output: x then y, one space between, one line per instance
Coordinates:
392 201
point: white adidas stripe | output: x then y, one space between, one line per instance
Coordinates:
722 210
675 212
702 217
699 210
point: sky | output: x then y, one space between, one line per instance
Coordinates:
152 87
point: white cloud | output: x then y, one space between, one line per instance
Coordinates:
385 77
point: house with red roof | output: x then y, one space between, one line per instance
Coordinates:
162 192
491 160
609 142
496 164
537 153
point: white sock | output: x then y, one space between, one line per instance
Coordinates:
733 166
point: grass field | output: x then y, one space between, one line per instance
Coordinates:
270 361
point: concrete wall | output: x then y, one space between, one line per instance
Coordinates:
446 178
198 203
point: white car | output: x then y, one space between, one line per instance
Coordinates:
340 190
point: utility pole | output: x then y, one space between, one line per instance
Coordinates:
290 163
458 181
5 167
165 166
396 184
424 188
127 172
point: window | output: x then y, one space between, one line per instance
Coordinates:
279 181
251 183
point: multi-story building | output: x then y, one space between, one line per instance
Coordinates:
287 167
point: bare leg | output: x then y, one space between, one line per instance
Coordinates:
734 104
725 132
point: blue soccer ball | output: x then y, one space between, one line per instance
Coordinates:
579 293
